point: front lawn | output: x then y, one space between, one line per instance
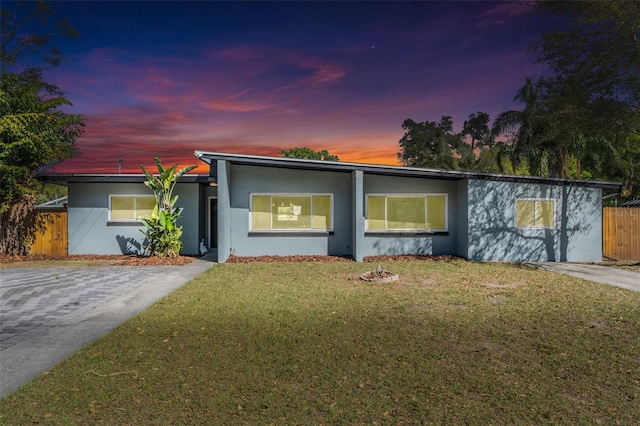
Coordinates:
450 342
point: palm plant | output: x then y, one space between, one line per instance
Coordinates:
527 131
162 233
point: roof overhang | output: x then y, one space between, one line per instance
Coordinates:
338 166
114 178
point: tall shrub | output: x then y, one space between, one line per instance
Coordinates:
162 234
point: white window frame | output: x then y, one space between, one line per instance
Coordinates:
535 200
291 194
135 211
417 230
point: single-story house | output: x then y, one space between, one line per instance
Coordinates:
254 205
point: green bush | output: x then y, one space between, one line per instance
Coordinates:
162 233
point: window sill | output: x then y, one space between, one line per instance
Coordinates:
537 228
404 233
124 223
290 233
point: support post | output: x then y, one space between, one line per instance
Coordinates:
224 210
357 195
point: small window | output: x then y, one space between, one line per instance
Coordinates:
407 212
291 212
130 208
535 213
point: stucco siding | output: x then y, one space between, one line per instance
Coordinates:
462 217
90 232
245 180
396 243
189 196
493 233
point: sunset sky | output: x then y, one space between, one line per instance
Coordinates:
168 78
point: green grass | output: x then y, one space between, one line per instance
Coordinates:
309 343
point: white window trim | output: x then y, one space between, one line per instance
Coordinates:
134 196
290 194
395 231
515 217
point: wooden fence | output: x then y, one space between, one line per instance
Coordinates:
52 239
621 233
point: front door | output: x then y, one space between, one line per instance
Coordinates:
213 222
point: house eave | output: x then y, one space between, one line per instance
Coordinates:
345 167
114 178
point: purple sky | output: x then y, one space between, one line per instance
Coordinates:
168 78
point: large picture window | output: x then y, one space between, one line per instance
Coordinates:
130 208
291 212
407 212
535 213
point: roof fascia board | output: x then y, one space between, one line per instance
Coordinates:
114 178
295 163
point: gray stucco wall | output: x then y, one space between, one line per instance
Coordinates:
462 217
89 232
244 180
401 243
493 235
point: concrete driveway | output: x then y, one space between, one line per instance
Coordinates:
600 274
47 314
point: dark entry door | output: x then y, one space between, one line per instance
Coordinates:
213 222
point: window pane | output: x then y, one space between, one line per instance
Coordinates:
375 213
122 208
436 212
291 212
524 213
261 212
544 213
406 213
321 212
144 206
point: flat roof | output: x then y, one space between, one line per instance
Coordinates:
339 166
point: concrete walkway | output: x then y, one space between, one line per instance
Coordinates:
600 274
47 314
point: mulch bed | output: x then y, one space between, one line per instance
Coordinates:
115 260
368 259
410 257
135 260
271 259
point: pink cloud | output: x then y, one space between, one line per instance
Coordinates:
505 12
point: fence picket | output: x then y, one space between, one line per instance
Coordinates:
52 240
621 233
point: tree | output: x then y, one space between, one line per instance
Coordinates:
435 145
597 52
527 134
30 33
34 132
478 140
308 154
162 233
578 120
429 144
